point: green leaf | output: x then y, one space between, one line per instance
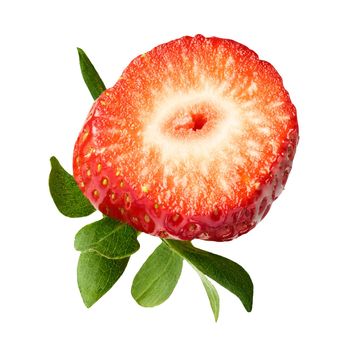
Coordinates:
109 238
67 196
97 274
90 75
157 278
222 270
211 293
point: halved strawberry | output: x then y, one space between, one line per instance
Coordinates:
196 140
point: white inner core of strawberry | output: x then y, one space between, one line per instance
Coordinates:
194 125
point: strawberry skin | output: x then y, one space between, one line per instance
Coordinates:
195 140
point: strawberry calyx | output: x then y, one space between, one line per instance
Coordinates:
106 246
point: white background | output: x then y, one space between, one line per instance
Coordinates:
303 258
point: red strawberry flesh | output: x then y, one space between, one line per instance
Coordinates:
195 140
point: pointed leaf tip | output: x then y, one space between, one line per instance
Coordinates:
91 77
65 193
212 293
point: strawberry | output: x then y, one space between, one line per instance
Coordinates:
195 140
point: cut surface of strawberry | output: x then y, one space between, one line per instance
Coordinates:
195 140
